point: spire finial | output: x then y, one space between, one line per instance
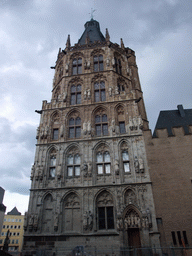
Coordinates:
91 13
122 44
107 36
68 43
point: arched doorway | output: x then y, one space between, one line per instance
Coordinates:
132 223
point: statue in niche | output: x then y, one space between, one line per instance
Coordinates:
88 93
90 220
40 172
140 122
38 132
37 172
66 67
84 128
116 167
89 127
85 94
62 131
32 171
149 217
116 90
89 173
56 220
88 64
84 169
113 61
31 218
119 224
107 62
42 133
113 125
59 172
85 221
46 132
64 96
110 91
35 223
141 165
136 165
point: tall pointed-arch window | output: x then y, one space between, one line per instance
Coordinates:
125 159
73 164
98 63
75 94
118 67
75 127
105 211
77 66
99 89
103 162
47 217
101 125
52 163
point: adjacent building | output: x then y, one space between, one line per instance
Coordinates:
90 182
13 223
169 153
2 207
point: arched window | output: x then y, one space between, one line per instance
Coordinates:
55 126
75 94
125 159
73 165
103 162
47 214
98 63
52 164
99 89
77 66
71 213
101 125
105 211
75 127
118 66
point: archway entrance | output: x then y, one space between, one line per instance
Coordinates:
132 223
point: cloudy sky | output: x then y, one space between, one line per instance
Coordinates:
31 32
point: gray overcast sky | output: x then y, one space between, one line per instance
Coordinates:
31 32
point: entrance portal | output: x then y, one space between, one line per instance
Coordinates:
134 240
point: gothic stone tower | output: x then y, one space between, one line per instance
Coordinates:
90 179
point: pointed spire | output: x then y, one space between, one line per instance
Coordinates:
122 44
107 36
68 43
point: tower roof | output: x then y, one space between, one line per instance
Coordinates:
14 211
92 31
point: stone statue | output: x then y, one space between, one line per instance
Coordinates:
38 131
113 62
64 96
149 217
110 91
89 127
37 172
31 218
136 165
90 220
56 221
107 62
25 222
35 223
85 94
116 167
42 133
119 224
59 171
88 93
140 122
126 223
84 128
84 168
32 171
113 125
40 172
66 67
85 221
46 131
141 165
89 173
62 130
88 64
116 90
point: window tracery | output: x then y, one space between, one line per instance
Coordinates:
105 211
99 91
98 63
77 66
52 163
75 94
74 126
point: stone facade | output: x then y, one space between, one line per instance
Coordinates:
170 162
90 182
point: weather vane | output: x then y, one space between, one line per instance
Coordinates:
92 11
